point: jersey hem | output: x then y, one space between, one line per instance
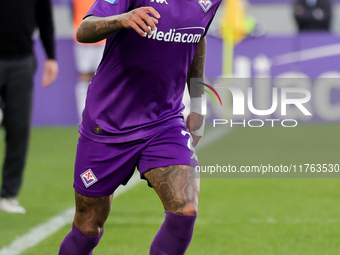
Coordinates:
134 135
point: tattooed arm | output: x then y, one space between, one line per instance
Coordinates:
94 29
196 70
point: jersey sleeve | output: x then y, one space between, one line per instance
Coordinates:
104 8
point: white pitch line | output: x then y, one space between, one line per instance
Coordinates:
37 234
44 230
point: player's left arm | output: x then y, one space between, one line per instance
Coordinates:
195 121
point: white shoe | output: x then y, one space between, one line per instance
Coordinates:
11 205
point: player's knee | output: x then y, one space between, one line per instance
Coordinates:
91 229
185 208
190 209
187 205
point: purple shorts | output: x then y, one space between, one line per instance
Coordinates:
101 167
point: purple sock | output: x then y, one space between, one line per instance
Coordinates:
78 243
174 236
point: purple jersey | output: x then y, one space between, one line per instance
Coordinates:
140 81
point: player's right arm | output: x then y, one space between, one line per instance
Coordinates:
94 29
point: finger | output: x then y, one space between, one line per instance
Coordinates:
153 12
135 27
155 21
188 123
142 25
194 125
148 21
196 139
46 81
45 78
48 78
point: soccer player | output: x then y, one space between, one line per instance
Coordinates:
133 115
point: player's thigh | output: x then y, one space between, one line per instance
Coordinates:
91 212
168 163
177 186
100 168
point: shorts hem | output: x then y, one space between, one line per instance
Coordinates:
91 193
171 163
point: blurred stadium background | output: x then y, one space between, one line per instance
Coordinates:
237 215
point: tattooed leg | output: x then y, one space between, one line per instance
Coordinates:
177 187
88 225
91 213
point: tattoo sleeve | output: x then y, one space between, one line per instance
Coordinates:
94 29
196 69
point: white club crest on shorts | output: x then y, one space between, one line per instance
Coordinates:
88 178
205 4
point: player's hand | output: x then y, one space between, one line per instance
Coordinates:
194 122
50 72
140 20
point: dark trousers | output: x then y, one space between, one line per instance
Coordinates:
16 85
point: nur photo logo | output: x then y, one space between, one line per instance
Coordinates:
238 104
209 93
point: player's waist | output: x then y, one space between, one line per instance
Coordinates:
107 134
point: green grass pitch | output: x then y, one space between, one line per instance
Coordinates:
250 216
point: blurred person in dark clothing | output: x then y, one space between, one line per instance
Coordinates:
313 15
18 21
